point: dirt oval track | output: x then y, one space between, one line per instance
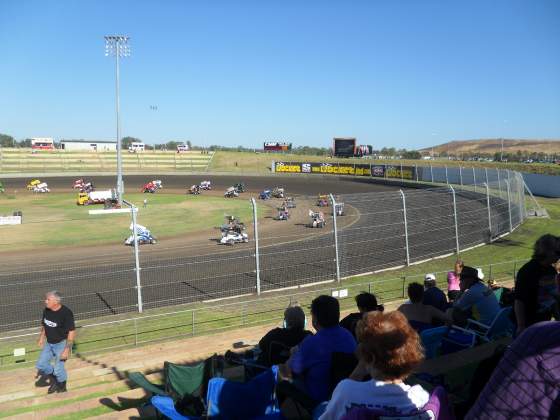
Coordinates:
98 281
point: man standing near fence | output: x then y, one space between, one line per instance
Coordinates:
59 331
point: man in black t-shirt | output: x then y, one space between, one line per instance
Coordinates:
366 302
536 289
57 337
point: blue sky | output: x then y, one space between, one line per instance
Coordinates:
400 73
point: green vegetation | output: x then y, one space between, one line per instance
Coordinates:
55 219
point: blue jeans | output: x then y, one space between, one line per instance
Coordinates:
49 352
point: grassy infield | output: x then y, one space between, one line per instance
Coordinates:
388 285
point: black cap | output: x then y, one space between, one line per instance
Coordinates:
469 273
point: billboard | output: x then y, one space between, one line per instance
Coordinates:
276 146
357 169
344 147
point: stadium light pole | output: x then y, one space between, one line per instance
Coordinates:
118 46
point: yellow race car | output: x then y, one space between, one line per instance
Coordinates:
33 184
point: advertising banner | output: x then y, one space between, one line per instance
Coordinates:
400 172
358 169
378 171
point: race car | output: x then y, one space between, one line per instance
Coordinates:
317 219
83 186
283 214
41 188
339 209
143 235
231 192
152 186
289 203
194 189
33 183
323 200
233 231
205 185
278 192
239 187
265 195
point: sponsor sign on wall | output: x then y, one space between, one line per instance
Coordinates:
358 169
402 172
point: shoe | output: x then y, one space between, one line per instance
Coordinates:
44 380
57 387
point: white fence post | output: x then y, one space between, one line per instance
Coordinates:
257 259
416 172
446 176
455 219
133 211
474 178
489 212
402 177
486 175
335 230
460 175
405 228
509 205
432 172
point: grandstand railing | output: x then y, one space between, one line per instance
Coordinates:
114 334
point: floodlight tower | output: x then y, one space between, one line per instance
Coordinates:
118 46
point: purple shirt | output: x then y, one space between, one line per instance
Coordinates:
312 360
524 385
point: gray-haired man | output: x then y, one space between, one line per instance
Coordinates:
59 331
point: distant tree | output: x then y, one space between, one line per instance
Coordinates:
172 145
189 144
126 141
411 154
7 141
24 143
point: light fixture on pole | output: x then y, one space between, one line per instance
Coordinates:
118 46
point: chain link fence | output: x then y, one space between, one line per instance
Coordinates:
378 231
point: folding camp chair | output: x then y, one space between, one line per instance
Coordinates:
431 340
243 401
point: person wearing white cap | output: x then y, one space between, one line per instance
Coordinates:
433 295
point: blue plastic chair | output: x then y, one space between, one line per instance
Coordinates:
166 406
243 401
431 340
501 326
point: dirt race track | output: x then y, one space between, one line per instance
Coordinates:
97 281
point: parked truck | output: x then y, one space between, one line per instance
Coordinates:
95 197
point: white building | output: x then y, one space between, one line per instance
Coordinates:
88 145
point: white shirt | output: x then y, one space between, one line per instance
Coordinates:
398 398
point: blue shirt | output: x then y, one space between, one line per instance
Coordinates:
312 360
433 296
481 301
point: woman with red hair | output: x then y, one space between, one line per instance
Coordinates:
389 349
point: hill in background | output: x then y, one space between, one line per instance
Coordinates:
491 146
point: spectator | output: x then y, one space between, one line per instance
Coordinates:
453 281
276 344
535 285
525 382
419 315
433 295
477 301
389 350
310 363
366 302
59 331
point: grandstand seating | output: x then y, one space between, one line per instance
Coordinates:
22 160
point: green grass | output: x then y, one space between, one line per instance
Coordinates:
55 219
